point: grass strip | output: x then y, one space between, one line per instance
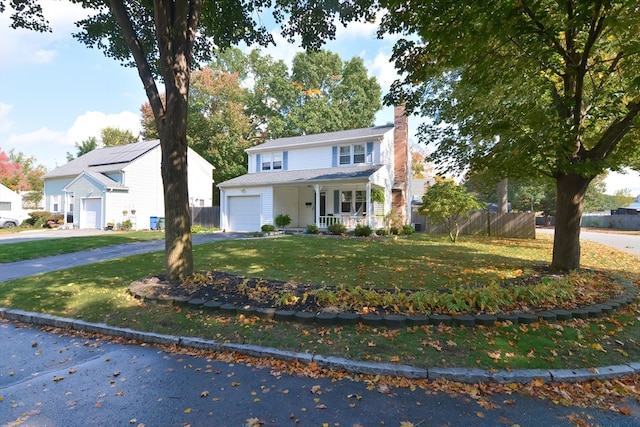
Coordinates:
20 251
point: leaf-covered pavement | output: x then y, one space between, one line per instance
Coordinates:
53 378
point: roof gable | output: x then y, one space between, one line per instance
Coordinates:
101 180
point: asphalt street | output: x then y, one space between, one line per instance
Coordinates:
54 379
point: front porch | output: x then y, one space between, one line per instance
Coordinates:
349 204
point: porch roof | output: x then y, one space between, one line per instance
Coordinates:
352 173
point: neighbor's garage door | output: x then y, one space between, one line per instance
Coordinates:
91 209
244 213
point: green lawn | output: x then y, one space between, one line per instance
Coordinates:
12 252
98 293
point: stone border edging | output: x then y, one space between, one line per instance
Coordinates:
396 321
465 375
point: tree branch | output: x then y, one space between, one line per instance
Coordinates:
144 70
615 132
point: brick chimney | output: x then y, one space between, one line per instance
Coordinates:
401 163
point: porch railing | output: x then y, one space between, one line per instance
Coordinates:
349 221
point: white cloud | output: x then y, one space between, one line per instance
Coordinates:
383 69
50 147
90 123
5 120
616 181
20 46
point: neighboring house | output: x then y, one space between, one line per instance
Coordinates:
11 204
322 179
635 205
110 185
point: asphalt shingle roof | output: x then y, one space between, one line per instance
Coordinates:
323 138
302 176
103 160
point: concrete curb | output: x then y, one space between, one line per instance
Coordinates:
464 375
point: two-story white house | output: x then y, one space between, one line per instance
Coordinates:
114 184
323 178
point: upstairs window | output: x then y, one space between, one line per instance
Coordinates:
271 161
345 155
352 154
358 153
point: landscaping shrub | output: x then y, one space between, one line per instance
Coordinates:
407 229
268 228
283 220
126 225
337 229
381 232
38 219
393 231
196 229
312 229
362 230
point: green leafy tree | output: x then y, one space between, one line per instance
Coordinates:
447 203
322 93
112 136
524 88
165 40
83 148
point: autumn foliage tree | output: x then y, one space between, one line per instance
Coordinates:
21 174
218 127
165 40
525 88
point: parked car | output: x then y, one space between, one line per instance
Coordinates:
8 222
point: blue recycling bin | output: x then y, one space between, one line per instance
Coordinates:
153 223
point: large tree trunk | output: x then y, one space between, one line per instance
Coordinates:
178 244
566 243
503 198
173 140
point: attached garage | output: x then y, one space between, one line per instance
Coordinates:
244 213
91 214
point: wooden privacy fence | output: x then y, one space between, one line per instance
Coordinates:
207 217
521 225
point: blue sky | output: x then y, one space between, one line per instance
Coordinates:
55 92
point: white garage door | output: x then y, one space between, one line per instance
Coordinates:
244 213
91 210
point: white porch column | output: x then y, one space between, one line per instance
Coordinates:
369 206
317 189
